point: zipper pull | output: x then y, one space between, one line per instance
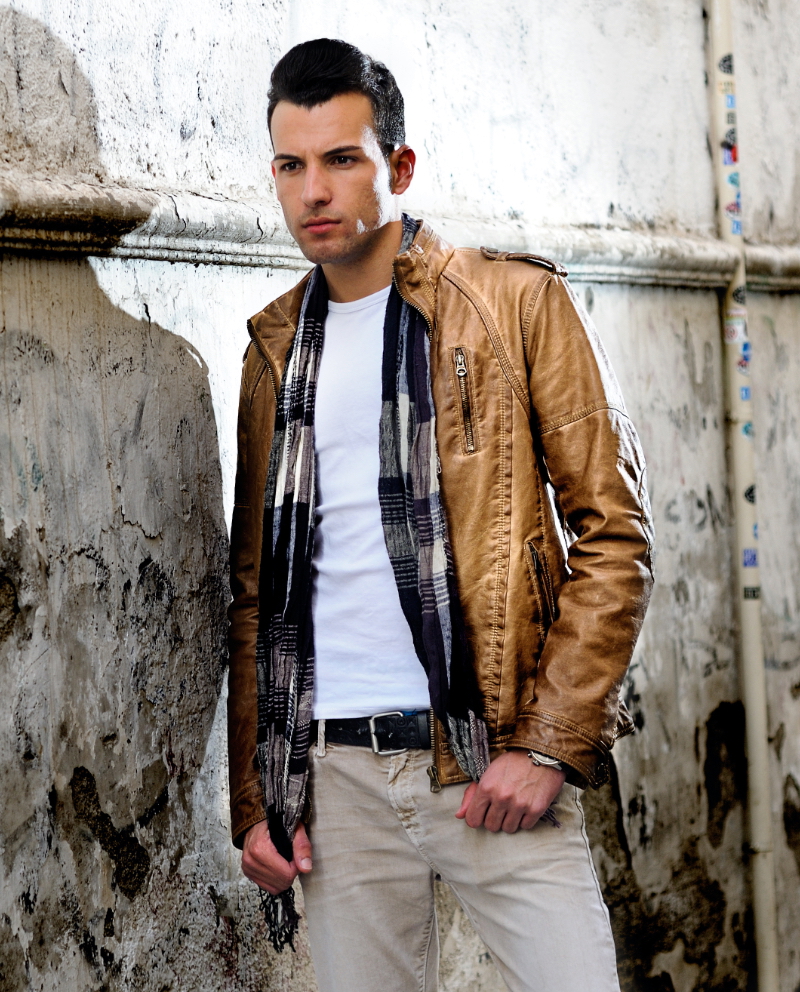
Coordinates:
535 556
461 364
433 775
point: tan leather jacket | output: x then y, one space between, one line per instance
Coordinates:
532 432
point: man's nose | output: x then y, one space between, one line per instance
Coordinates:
316 189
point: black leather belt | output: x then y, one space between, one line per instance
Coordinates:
385 733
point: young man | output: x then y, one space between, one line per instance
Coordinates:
419 427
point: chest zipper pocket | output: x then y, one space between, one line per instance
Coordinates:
463 380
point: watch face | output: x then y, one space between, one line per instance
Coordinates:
543 759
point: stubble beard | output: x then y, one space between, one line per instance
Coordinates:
348 251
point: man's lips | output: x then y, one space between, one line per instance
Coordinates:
319 225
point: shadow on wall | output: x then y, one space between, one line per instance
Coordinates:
48 113
113 557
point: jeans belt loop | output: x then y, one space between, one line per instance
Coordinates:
321 751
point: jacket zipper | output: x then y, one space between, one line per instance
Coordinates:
420 312
257 344
462 373
433 771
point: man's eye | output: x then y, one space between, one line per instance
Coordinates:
290 166
343 159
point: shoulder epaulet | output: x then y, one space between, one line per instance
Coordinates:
495 255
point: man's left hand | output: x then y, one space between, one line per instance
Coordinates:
512 795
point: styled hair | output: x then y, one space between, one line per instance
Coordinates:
316 71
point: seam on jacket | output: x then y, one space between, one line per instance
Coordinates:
258 379
530 306
495 641
284 314
246 791
564 724
425 282
499 740
576 415
244 827
494 337
432 237
287 320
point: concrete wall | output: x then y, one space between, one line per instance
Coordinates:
138 233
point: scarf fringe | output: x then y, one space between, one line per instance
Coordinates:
281 917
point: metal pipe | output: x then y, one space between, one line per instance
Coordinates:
739 405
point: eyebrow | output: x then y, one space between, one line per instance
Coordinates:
334 151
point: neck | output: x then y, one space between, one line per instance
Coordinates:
370 271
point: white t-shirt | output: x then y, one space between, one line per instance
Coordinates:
365 658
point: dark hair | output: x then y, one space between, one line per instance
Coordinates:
316 71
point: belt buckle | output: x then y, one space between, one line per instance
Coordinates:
373 734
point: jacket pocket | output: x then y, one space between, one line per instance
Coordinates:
540 587
466 395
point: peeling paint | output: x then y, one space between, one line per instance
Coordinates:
689 911
131 860
791 815
725 767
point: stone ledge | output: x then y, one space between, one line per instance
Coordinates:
44 217
773 268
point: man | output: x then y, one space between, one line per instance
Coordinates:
419 427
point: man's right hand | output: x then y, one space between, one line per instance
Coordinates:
263 865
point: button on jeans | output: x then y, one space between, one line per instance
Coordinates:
379 836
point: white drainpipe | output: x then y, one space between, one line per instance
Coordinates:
739 409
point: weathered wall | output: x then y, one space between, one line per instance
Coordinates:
560 126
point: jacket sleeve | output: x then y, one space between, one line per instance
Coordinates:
595 464
245 785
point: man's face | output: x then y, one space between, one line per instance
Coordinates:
333 182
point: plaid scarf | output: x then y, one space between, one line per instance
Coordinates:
415 530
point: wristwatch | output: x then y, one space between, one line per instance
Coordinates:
546 760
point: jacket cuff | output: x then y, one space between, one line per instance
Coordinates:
559 738
247 809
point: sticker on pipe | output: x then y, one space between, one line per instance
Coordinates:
735 329
734 208
743 361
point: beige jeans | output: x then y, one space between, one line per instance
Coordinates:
379 836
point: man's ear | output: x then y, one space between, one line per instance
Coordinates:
401 163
